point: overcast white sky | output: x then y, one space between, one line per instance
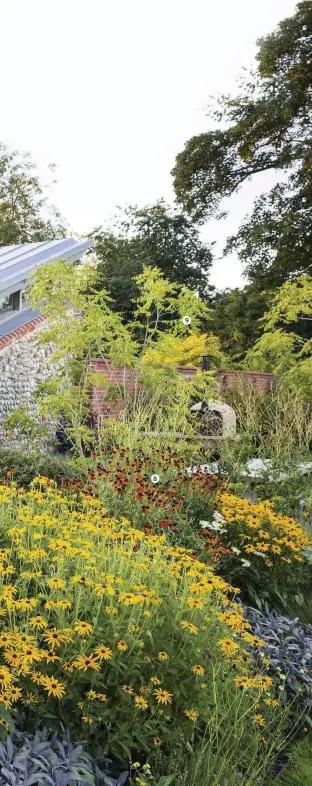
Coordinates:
110 90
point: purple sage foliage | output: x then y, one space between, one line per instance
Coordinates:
288 646
26 759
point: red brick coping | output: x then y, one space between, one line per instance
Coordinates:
22 331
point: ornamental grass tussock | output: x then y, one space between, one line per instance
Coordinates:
123 637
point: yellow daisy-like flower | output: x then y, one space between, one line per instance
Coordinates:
144 689
56 583
15 693
264 683
121 644
87 719
101 697
243 682
199 670
7 639
92 694
68 667
25 604
129 598
5 677
103 589
140 702
155 681
85 662
37 677
162 655
228 647
110 610
191 714
54 687
6 700
32 654
103 653
83 628
13 658
157 741
163 696
63 604
258 719
195 603
54 637
189 626
271 702
82 580
50 656
128 689
38 623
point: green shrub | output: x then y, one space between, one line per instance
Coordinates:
23 468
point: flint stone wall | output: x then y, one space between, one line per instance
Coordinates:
23 363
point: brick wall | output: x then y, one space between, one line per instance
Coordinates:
258 379
125 377
128 378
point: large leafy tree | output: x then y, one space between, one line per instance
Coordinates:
236 319
26 214
157 236
266 126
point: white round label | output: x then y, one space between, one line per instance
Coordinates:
155 478
186 320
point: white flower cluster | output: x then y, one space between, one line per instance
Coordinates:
217 525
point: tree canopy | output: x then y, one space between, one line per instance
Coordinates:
266 126
237 319
157 236
25 212
286 344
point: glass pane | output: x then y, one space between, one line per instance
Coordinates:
6 305
10 304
